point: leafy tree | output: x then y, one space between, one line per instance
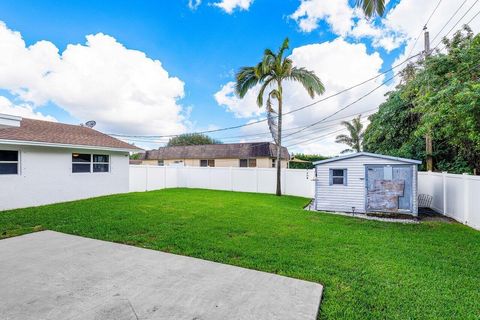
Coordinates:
190 139
439 96
306 157
135 156
392 129
270 73
355 135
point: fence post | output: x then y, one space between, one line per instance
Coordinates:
256 178
231 178
466 194
444 182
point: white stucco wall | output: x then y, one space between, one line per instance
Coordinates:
45 176
342 198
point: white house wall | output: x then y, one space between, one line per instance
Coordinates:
45 176
342 198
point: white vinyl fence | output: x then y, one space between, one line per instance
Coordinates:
294 182
455 195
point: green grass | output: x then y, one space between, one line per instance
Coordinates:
370 270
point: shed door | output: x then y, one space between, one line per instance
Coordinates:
389 188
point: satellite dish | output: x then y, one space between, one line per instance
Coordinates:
90 124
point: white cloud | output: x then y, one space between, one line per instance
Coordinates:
339 65
194 4
241 108
122 89
230 5
401 17
401 25
23 110
338 14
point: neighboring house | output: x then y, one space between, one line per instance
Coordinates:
44 162
257 154
366 182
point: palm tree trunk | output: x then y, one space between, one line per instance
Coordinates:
279 141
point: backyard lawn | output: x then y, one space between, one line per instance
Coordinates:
370 270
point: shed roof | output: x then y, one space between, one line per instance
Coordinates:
39 132
367 154
217 151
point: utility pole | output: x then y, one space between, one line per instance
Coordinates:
428 137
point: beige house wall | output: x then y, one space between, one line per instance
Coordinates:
267 163
261 162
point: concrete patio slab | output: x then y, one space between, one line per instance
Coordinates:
50 275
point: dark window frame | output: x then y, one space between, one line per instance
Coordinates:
95 162
247 162
243 161
100 163
334 176
10 162
207 163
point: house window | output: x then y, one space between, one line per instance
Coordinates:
8 162
338 176
101 163
207 163
81 162
85 163
274 163
246 163
161 163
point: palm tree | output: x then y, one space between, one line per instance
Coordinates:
371 7
270 74
355 137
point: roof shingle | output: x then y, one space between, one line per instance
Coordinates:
59 133
217 151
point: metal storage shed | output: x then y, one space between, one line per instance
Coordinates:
366 182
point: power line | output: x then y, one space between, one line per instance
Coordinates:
265 119
453 15
345 107
424 26
322 128
316 139
458 21
473 18
365 112
434 10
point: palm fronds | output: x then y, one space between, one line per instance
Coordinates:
355 135
309 81
371 7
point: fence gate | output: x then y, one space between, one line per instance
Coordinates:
389 188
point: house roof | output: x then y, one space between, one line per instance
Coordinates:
367 154
46 133
217 151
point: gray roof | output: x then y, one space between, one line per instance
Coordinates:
217 151
367 154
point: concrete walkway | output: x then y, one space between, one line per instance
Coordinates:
50 275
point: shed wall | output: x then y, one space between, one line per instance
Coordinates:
46 177
342 198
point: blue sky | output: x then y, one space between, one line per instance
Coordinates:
202 47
